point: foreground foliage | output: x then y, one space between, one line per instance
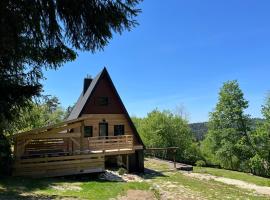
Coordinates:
41 35
5 156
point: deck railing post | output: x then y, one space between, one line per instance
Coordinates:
82 136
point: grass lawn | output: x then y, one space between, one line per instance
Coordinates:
234 175
77 187
164 182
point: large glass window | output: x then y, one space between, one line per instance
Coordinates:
88 131
119 130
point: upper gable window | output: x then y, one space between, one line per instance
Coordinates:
103 101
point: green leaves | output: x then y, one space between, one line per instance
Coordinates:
231 142
227 139
37 114
165 129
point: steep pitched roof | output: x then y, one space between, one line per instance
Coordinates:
81 102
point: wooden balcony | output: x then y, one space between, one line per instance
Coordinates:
111 144
40 147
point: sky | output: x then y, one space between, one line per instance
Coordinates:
179 55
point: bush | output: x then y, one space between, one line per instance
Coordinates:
259 166
122 171
5 156
200 163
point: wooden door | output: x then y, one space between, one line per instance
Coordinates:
103 129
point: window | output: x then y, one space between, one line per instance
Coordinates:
103 101
88 131
119 130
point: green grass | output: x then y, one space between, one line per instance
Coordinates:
90 187
20 188
213 189
234 175
201 188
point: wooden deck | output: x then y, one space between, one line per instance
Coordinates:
56 151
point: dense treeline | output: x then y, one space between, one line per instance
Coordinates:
231 139
167 129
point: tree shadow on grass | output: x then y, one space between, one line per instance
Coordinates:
152 174
31 188
25 188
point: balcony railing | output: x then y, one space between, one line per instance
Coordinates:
110 142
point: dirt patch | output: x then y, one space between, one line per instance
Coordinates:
138 195
172 191
67 186
238 183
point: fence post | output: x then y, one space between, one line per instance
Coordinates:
174 159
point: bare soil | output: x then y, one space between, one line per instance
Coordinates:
138 195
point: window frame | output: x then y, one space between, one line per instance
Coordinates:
102 101
122 129
91 132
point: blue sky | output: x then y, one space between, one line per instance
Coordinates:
180 55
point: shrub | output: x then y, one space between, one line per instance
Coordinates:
200 163
259 166
5 156
122 171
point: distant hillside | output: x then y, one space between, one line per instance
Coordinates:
200 129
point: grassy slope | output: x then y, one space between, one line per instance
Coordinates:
234 175
208 189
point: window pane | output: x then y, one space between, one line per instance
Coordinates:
103 101
119 130
88 131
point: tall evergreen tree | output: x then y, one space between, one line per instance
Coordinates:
43 34
227 140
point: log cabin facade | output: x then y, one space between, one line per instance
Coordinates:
97 133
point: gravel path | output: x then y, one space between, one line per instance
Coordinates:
238 183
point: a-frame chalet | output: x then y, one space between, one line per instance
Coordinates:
97 133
